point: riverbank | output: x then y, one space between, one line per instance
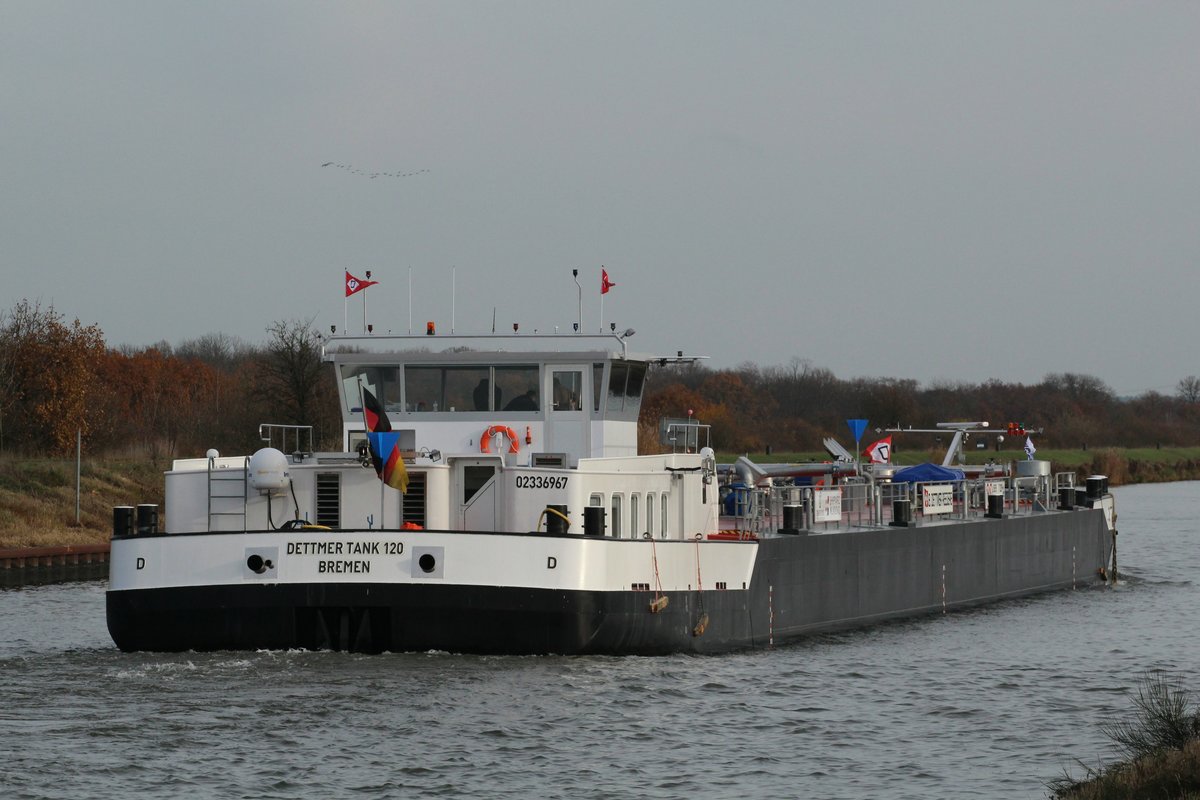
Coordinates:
37 496
34 566
38 499
1160 742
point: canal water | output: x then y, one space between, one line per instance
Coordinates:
990 703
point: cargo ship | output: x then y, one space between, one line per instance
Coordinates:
489 497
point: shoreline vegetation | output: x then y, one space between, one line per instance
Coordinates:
1158 744
38 496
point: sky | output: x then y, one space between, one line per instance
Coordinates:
943 191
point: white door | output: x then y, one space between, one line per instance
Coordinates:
476 493
567 428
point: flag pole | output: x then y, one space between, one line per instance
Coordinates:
362 402
602 299
575 275
410 301
364 294
346 304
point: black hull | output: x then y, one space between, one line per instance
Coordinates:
801 585
389 617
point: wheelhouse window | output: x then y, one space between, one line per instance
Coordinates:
461 384
663 533
517 388
383 382
634 384
625 382
597 383
568 389
634 501
471 388
616 385
616 515
423 388
650 514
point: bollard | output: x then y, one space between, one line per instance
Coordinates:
122 521
1066 498
793 518
147 518
555 523
995 506
593 520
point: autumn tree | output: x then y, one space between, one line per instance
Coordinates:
49 373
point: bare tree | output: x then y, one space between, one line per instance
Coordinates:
293 369
1188 389
218 350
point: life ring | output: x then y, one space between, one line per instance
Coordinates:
485 441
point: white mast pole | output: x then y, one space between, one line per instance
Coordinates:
575 275
364 294
602 299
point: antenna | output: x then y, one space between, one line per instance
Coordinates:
364 295
575 275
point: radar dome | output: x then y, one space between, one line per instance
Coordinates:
268 470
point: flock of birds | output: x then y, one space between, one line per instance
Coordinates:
356 171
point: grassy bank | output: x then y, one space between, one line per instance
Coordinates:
37 496
37 499
1158 742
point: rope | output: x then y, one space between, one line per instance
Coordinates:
555 512
660 600
1113 576
702 619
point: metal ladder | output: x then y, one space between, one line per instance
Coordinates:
222 483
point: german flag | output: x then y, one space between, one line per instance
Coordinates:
385 455
384 444
373 414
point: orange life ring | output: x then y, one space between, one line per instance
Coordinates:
485 441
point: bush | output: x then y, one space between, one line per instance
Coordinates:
1160 743
1164 718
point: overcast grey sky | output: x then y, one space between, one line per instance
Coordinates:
949 191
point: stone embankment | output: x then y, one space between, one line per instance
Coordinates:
30 566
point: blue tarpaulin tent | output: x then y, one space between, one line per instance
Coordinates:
922 473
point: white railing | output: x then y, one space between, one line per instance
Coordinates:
863 504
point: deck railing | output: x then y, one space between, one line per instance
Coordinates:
862 504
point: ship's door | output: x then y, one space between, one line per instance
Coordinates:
476 493
567 427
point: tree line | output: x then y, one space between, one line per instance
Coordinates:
59 377
792 408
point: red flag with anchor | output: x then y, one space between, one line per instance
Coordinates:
354 285
605 283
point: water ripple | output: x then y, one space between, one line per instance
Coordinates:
986 704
